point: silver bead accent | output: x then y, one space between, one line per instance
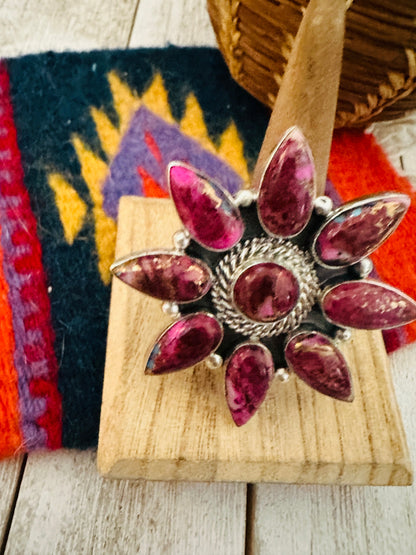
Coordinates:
343 335
245 197
214 361
365 267
282 374
263 249
181 239
323 205
171 309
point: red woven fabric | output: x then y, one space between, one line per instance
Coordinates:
37 369
358 166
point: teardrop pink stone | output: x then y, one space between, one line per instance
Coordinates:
166 276
249 372
287 190
185 343
368 305
207 211
356 230
316 360
266 292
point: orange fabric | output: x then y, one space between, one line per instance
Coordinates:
10 435
150 187
357 167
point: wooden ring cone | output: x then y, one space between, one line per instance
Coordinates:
172 427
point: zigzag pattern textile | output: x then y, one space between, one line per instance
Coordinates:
78 131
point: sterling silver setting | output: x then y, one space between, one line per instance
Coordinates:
266 249
320 254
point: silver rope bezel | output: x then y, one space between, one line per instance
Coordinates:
275 250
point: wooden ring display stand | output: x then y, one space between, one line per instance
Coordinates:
178 427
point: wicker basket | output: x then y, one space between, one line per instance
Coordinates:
378 78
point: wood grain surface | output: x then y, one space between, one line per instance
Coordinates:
40 25
9 482
183 23
63 507
308 93
353 520
282 519
207 518
177 427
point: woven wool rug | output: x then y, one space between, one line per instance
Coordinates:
78 131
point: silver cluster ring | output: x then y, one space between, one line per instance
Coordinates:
280 252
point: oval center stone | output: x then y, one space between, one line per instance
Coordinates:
266 292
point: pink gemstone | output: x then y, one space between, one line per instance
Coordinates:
266 292
249 372
287 190
359 228
368 305
166 276
185 343
207 211
316 360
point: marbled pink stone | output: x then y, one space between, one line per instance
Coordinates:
207 211
185 343
357 231
249 372
316 360
166 276
287 190
266 292
368 305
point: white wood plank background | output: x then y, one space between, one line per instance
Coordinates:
28 26
328 520
181 22
63 506
9 482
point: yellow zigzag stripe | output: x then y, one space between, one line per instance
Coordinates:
125 101
156 99
94 171
193 123
72 208
110 137
231 150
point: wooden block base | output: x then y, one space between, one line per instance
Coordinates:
178 427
